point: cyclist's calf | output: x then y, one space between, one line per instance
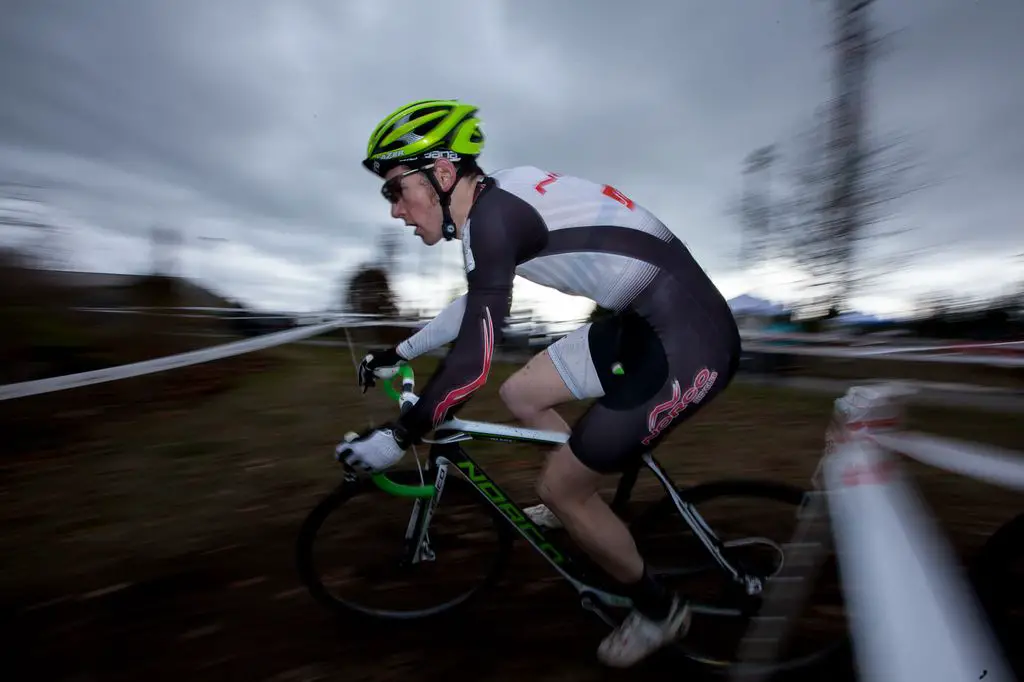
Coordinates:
570 489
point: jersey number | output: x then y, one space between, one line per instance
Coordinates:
606 190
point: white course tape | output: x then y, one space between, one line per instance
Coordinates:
238 311
861 341
210 316
1000 467
956 348
903 354
27 388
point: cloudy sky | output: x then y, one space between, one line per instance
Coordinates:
245 121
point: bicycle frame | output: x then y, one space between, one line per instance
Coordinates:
446 452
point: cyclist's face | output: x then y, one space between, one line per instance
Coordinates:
415 202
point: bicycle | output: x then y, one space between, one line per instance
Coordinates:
423 543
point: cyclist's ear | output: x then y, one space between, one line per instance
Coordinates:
444 171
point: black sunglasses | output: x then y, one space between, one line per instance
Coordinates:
392 189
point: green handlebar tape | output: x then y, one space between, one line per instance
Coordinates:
399 490
381 480
405 372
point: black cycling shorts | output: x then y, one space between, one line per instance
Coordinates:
672 365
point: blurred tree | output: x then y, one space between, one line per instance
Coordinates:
755 209
23 208
369 292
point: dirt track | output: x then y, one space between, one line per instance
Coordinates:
161 547
238 613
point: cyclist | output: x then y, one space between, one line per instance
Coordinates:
670 347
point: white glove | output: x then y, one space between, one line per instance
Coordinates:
372 453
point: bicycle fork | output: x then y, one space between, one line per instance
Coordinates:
416 547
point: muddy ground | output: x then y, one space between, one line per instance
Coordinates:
158 544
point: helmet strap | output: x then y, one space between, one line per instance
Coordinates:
445 198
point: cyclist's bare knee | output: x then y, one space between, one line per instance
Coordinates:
535 387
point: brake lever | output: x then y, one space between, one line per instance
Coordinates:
407 400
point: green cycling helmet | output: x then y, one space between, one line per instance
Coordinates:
422 131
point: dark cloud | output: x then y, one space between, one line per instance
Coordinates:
247 121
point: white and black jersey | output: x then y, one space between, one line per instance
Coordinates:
584 239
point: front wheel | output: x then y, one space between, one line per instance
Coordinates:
352 557
756 522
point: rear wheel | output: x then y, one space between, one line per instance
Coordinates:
756 521
350 551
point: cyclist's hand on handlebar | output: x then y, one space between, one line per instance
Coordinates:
382 364
373 450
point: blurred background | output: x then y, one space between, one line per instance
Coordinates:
179 175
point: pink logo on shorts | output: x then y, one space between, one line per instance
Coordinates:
703 380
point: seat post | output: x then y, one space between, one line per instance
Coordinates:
625 487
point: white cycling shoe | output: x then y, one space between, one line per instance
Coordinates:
638 636
542 516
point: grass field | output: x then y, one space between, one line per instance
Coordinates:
159 544
854 368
